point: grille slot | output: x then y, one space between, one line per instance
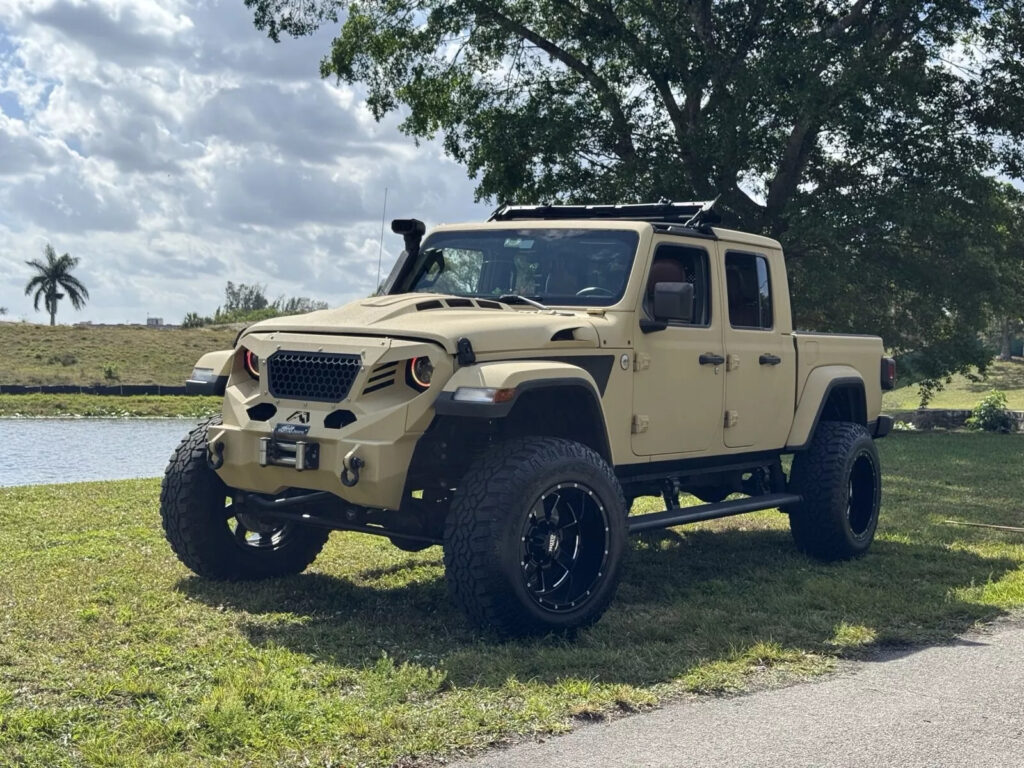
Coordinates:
380 377
322 376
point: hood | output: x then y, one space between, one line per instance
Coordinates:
489 325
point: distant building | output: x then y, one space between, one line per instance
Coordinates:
154 321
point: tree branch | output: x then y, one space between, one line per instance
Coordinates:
625 148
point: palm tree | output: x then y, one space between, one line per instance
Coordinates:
54 275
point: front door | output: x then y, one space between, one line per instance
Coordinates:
678 385
761 364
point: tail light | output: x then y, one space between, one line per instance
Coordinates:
888 373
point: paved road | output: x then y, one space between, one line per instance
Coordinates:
957 705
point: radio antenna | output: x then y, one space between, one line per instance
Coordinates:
380 247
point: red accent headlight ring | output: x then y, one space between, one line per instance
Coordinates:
420 372
251 363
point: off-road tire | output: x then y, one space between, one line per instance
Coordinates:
495 511
197 522
839 478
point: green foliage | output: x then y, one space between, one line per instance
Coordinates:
991 414
113 654
195 320
248 304
841 128
244 298
110 373
51 278
109 406
298 305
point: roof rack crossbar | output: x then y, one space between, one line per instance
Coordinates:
689 214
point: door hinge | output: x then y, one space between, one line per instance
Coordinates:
641 362
732 418
732 362
640 423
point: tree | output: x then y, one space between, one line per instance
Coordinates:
864 133
3 310
244 298
54 275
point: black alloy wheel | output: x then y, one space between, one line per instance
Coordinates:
565 546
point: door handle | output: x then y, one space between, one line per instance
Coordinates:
709 358
769 359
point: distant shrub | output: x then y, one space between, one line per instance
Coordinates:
65 359
991 414
195 320
110 373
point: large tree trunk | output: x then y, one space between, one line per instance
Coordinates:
1005 349
53 316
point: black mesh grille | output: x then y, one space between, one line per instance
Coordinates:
311 375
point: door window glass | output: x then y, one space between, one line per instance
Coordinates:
749 289
682 264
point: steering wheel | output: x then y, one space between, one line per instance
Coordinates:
594 290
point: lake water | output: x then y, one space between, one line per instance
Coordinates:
34 451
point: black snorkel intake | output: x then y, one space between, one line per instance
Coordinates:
412 231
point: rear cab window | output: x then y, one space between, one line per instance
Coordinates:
749 291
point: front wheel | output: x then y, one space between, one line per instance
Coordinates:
216 539
535 538
840 480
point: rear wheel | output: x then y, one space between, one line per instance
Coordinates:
216 538
535 538
840 480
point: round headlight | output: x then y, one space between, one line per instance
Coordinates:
420 372
252 363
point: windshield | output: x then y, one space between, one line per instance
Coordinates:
552 266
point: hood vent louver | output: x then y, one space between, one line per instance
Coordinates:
380 377
566 334
458 304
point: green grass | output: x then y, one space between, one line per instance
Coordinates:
110 406
88 355
113 654
961 392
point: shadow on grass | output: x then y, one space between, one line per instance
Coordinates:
687 599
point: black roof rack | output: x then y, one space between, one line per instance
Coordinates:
692 214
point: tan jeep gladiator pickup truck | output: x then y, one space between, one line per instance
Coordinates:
512 389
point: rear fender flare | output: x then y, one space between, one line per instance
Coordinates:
820 385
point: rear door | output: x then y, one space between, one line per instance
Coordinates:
760 378
678 388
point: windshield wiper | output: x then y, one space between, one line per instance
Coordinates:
509 298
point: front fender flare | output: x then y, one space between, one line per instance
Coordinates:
520 376
210 374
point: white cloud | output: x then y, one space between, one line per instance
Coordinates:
172 147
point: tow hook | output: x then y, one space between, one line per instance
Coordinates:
352 465
215 456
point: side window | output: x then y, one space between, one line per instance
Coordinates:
749 289
682 264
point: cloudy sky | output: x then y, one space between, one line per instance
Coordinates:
172 147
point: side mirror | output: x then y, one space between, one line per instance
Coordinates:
673 301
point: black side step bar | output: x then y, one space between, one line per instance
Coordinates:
683 515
